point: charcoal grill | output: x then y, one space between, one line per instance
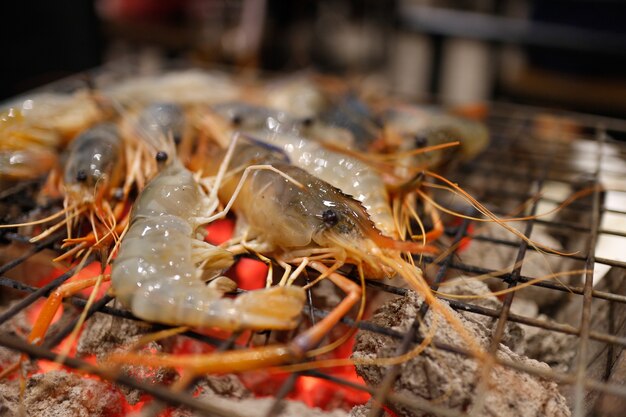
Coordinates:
514 157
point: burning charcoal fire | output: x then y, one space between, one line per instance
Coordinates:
449 379
19 325
59 394
104 334
228 393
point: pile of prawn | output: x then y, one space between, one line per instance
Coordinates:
319 179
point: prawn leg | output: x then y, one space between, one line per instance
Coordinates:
259 357
53 302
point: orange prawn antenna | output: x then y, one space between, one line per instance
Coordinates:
403 246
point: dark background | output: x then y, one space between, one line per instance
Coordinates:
573 51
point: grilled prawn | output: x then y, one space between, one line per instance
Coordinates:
298 219
350 175
160 269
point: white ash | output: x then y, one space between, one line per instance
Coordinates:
228 393
449 379
104 334
499 257
557 349
364 410
554 348
61 394
513 335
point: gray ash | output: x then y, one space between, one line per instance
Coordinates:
228 393
449 379
62 394
105 334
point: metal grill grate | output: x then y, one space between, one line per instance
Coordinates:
515 168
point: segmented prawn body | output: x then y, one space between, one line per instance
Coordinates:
425 127
161 268
317 224
352 176
190 87
33 130
312 216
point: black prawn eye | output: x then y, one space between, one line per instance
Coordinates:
420 140
308 122
81 175
236 120
161 156
330 217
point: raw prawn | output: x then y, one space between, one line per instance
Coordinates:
183 87
55 117
350 175
317 224
423 127
162 120
94 168
156 273
26 164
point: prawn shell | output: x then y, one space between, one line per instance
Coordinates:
175 193
26 164
95 156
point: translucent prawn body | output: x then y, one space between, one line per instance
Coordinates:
157 273
93 158
162 120
350 175
303 212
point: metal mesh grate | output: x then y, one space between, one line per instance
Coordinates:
517 168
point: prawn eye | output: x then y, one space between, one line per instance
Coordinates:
81 175
307 122
330 217
420 140
236 120
161 156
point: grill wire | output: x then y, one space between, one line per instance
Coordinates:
545 161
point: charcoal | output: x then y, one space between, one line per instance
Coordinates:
514 334
62 394
104 334
18 326
449 379
228 393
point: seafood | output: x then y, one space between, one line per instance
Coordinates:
26 164
314 215
317 223
55 117
160 267
421 127
91 162
183 87
162 120
93 170
350 175
298 203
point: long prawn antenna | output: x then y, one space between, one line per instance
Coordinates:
266 145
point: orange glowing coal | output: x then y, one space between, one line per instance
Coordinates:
249 274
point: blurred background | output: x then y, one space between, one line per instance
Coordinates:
560 53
